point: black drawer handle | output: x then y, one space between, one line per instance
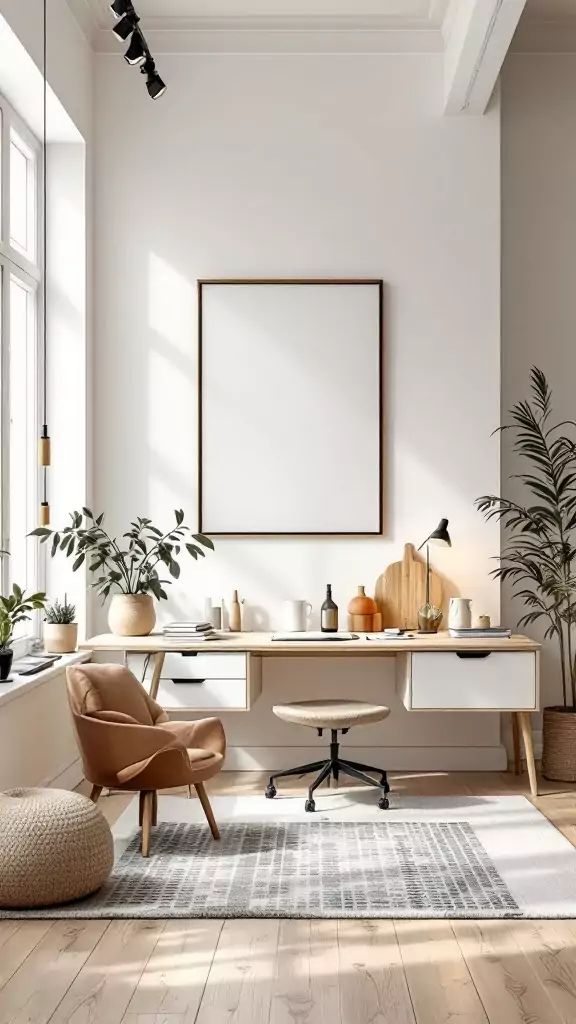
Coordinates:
473 654
185 682
189 654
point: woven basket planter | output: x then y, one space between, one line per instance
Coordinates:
559 744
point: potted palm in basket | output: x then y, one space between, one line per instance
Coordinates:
539 554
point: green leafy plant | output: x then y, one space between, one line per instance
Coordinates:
15 609
130 565
60 613
539 553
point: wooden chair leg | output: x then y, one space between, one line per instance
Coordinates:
141 808
516 743
147 812
189 792
95 794
203 798
155 808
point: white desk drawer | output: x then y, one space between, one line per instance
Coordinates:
209 665
448 680
225 694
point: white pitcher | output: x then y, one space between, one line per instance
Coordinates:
460 613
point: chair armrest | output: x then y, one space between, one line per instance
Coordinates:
108 748
207 734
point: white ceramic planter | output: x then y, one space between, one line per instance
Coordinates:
60 638
132 614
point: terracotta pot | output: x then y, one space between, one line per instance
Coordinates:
60 638
559 744
131 614
361 604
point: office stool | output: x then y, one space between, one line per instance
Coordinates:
338 716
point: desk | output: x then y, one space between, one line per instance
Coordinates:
434 673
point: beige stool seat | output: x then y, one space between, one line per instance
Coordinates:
331 714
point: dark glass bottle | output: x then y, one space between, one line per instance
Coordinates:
329 613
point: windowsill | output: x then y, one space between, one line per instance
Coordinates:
21 685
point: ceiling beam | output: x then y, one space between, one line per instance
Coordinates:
478 36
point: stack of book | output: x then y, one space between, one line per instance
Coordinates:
492 633
190 631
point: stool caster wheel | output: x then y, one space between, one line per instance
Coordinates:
384 803
309 805
270 792
385 785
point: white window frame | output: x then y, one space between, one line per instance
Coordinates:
16 264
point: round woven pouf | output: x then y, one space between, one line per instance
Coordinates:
55 847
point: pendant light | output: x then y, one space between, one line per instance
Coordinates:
44 448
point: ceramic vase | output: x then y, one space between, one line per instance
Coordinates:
131 615
60 637
460 613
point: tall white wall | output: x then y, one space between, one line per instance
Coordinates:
538 259
304 166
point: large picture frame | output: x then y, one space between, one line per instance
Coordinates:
290 407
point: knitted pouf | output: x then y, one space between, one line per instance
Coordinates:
55 847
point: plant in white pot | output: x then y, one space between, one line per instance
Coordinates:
539 556
128 568
60 628
14 609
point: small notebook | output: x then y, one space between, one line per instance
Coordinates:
314 635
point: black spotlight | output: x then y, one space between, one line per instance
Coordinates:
136 52
121 7
125 27
154 83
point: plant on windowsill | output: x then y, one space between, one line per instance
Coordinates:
539 555
60 628
15 609
128 566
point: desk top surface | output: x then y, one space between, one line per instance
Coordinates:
262 643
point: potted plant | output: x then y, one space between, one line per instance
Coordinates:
539 553
129 566
14 609
60 628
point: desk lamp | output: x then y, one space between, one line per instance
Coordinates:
429 616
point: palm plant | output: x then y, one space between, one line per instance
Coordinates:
14 609
539 553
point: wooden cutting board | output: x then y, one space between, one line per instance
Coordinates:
401 590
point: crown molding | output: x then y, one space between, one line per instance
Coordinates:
282 35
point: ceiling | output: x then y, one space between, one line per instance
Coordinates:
550 10
401 12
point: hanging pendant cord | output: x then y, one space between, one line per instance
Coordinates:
44 239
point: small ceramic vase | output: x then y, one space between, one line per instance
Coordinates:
460 613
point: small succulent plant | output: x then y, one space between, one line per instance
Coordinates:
61 613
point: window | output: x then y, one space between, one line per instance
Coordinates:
20 391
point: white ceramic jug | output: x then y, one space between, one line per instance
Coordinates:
460 613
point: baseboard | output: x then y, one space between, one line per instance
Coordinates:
455 759
66 778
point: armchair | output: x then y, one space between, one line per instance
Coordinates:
127 742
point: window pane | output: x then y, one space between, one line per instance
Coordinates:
21 441
22 206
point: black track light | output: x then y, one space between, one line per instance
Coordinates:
121 7
136 52
125 27
154 83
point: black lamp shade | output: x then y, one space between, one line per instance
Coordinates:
155 85
135 53
121 7
124 28
440 534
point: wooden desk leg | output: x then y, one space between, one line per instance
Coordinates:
526 727
516 743
158 666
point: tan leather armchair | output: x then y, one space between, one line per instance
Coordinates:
127 742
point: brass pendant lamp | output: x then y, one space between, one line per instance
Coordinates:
44 449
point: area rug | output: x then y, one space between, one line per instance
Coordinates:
457 857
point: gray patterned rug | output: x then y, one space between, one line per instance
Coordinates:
311 869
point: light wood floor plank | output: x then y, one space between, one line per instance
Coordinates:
102 990
18 940
438 979
550 948
239 987
36 988
175 976
154 1018
506 982
372 981
306 986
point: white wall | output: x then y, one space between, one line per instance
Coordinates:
304 166
538 258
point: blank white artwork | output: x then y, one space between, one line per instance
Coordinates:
290 408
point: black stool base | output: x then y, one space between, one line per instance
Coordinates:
333 767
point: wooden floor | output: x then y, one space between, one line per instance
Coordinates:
299 972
